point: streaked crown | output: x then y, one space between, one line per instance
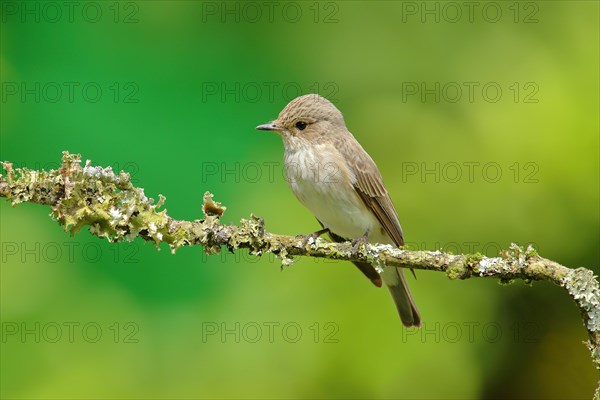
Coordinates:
311 107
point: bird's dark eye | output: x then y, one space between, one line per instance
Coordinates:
301 125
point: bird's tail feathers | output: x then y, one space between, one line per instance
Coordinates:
396 283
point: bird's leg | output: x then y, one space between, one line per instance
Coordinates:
314 235
364 239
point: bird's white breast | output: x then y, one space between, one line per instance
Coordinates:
323 182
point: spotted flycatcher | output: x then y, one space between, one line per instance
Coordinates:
334 177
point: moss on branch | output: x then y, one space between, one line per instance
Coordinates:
114 209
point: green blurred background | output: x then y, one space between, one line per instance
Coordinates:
172 91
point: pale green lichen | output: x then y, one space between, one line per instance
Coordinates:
376 255
210 235
90 196
456 269
583 287
488 266
23 185
512 263
116 210
286 261
211 207
473 259
250 232
108 203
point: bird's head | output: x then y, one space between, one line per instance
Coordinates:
306 117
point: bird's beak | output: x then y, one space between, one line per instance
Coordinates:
270 126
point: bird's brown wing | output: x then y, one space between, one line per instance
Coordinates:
369 186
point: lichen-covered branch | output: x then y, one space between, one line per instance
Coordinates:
114 209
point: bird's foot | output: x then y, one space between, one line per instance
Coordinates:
313 236
364 239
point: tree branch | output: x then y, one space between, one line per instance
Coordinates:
116 210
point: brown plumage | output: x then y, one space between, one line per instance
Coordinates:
337 180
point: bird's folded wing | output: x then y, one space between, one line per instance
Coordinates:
370 188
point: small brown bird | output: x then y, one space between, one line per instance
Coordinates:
334 177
